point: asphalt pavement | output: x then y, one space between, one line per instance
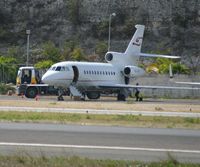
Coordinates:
101 142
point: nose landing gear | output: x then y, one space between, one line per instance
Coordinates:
60 95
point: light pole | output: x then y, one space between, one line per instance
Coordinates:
110 17
28 32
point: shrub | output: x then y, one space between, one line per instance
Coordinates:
5 88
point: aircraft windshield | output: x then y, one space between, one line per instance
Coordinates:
52 68
59 68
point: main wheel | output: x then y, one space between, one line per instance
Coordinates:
31 92
121 97
93 95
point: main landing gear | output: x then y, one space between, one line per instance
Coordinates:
121 97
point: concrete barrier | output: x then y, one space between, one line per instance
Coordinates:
165 80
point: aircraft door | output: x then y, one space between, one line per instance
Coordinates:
76 74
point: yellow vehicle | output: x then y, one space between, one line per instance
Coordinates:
27 75
29 83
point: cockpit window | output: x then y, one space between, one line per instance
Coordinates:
52 68
58 68
62 68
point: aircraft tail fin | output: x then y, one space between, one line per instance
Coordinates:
134 48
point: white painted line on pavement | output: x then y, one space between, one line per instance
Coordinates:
99 111
98 147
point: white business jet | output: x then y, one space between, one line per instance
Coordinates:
92 79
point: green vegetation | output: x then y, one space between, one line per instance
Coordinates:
8 69
127 30
124 120
44 64
101 49
50 52
4 34
25 160
100 30
74 11
78 54
180 20
5 88
163 66
68 48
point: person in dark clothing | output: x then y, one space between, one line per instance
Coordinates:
137 93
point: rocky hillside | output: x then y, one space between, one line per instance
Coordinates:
171 26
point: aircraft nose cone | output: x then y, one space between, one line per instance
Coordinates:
45 79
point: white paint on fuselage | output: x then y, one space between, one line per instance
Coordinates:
90 74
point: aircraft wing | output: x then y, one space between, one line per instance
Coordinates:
189 83
161 56
115 86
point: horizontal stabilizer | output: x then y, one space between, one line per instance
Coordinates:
161 56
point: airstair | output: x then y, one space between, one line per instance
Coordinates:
74 91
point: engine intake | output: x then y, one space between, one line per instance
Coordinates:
109 57
127 70
133 71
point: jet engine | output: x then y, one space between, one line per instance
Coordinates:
133 71
113 57
109 57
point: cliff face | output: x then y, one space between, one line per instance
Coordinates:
170 24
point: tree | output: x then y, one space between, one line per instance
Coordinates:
68 48
74 11
44 64
163 66
101 49
51 52
78 54
8 69
17 53
193 61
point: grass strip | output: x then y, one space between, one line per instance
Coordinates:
92 119
75 161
